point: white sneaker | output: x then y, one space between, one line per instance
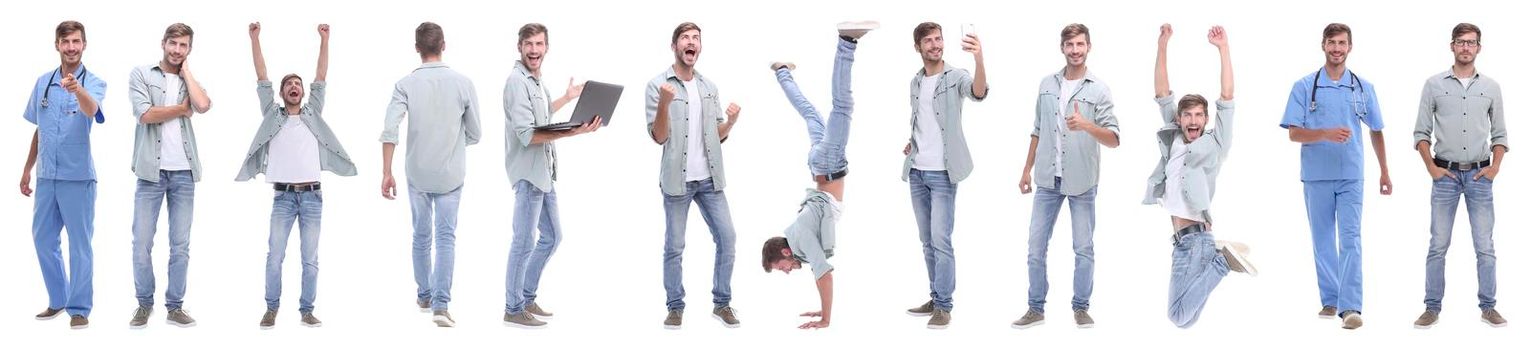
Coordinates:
856 29
1236 254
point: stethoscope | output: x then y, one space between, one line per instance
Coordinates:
1312 100
54 78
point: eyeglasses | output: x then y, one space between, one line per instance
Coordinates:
1465 43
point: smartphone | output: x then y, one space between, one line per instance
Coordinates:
968 29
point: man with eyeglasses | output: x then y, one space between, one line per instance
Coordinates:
1460 114
1325 110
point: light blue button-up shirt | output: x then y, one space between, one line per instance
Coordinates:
1081 151
332 156
525 109
955 84
811 236
442 106
63 134
1345 103
672 163
146 89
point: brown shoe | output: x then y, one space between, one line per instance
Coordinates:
268 321
939 319
1352 320
536 310
1328 312
180 318
727 315
923 310
672 321
524 320
1492 318
1082 319
311 322
1428 319
78 322
49 313
1031 319
424 304
443 319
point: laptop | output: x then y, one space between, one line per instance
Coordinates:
597 99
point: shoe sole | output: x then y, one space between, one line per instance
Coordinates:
442 321
79 327
424 310
672 327
919 314
267 328
724 323
1423 326
1495 325
935 326
523 326
312 325
1025 326
1243 262
45 318
864 25
1086 326
182 325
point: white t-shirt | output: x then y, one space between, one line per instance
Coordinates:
293 156
1174 192
696 168
931 155
1065 110
172 147
1466 83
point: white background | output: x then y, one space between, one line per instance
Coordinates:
604 283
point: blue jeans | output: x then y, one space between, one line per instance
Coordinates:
1043 218
827 155
1479 208
534 209
714 209
434 212
58 205
176 190
307 209
1198 268
1336 204
934 197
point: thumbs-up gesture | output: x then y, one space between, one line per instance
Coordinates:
1077 122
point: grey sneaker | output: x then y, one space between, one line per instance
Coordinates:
1031 319
775 66
854 30
1492 318
673 320
939 319
1352 320
424 304
310 321
1428 319
537 311
49 313
1236 254
180 318
1082 319
727 315
78 322
923 310
1328 312
268 321
141 317
443 319
524 320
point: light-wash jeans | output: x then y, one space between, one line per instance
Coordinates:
1479 208
307 210
176 190
1198 268
1043 218
934 198
714 209
534 209
434 213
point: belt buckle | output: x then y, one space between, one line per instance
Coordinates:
1465 166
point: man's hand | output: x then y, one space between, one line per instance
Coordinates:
666 94
255 30
324 32
389 188
1489 172
1386 184
26 184
1025 184
908 147
732 112
1077 122
1165 31
1337 135
970 43
1217 37
574 90
1436 172
590 127
69 83
814 324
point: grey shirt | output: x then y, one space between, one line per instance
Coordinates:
811 237
1080 150
332 157
443 108
146 89
955 84
672 162
1463 123
1202 164
525 101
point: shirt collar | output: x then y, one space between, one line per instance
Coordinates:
521 70
1346 80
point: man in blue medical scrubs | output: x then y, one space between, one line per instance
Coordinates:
1324 114
63 104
